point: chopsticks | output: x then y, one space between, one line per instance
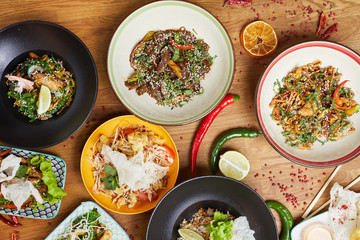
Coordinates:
356 180
318 195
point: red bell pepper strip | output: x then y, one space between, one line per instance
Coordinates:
229 99
322 20
336 94
10 223
329 31
5 152
182 47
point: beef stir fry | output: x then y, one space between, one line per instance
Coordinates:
169 65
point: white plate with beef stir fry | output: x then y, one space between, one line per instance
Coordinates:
170 62
308 101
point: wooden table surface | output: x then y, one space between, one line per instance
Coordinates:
95 22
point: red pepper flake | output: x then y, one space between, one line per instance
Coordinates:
263 175
256 190
319 181
241 53
49 223
324 173
238 2
103 108
305 203
256 175
181 138
249 125
72 137
344 207
265 164
329 31
292 166
270 172
281 172
321 25
273 184
64 146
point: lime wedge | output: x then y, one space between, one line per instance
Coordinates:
188 234
234 165
44 100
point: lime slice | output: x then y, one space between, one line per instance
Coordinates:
234 165
44 99
188 234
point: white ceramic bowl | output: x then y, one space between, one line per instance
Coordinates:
348 63
164 15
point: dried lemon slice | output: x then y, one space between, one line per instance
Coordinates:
259 39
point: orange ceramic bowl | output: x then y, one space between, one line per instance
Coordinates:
108 128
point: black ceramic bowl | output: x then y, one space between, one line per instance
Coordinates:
217 192
16 41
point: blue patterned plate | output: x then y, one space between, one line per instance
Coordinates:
117 231
51 210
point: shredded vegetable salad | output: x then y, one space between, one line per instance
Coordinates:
29 77
27 182
131 165
312 104
87 227
169 65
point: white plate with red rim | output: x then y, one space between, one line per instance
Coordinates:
162 15
330 54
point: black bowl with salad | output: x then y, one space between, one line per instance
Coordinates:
48 84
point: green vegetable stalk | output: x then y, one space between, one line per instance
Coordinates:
286 219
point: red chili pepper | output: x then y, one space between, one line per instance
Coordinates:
14 218
5 152
238 2
322 20
229 99
8 222
13 236
329 31
336 94
182 47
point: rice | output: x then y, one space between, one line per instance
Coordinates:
241 229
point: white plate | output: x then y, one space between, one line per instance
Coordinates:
348 63
299 231
117 231
164 15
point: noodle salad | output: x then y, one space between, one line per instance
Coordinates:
131 165
37 74
312 105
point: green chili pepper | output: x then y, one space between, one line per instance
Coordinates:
226 136
287 220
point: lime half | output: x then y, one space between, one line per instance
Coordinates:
188 234
44 100
234 165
